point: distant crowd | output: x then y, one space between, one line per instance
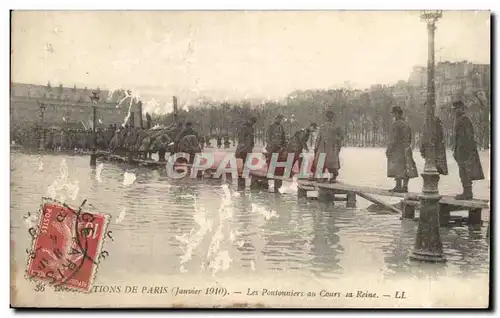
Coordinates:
59 139
116 139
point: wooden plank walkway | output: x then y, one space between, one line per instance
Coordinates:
337 191
474 204
411 196
379 202
357 189
409 203
134 161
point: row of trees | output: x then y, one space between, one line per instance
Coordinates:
365 115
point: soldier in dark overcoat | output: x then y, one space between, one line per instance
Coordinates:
246 140
439 147
276 142
146 138
276 138
465 152
186 131
329 142
400 164
160 145
298 143
189 144
148 121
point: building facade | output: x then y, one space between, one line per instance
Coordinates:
465 81
454 80
69 107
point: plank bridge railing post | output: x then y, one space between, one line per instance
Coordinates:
408 210
351 199
444 214
474 217
241 182
301 193
325 194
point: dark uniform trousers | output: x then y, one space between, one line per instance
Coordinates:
464 173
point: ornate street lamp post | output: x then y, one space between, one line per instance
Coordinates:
141 124
174 101
42 106
428 245
94 99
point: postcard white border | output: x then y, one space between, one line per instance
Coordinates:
185 4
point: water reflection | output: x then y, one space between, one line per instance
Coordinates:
325 242
396 253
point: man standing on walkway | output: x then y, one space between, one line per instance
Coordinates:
276 141
400 164
276 138
439 147
465 152
329 143
298 143
188 141
246 140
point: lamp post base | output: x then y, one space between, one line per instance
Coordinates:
428 247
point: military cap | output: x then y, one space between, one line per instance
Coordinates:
396 110
458 104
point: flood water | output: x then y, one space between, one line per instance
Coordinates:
161 226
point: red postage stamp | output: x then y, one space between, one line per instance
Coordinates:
67 246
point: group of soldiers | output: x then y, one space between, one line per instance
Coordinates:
127 140
276 142
400 163
61 139
142 143
402 168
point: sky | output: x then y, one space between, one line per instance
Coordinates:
235 54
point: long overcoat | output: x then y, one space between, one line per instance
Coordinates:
189 144
276 138
440 148
465 148
245 140
299 141
400 162
329 142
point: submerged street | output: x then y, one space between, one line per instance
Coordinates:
204 227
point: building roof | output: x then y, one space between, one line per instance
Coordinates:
60 92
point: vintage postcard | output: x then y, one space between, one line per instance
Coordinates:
260 159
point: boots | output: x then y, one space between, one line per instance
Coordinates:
277 185
398 187
334 175
466 195
405 184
